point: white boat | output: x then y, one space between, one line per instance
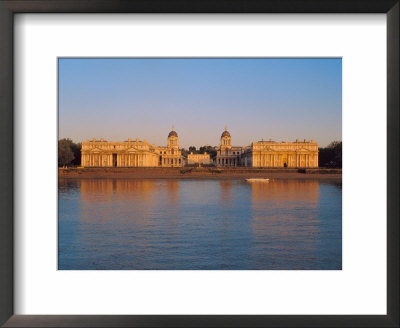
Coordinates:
257 180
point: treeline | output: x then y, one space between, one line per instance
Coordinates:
69 153
331 155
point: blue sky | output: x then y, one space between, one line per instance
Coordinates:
257 98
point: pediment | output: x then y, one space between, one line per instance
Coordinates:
138 151
96 150
303 149
132 150
265 149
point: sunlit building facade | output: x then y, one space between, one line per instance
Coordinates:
140 153
267 154
131 153
228 155
298 154
198 158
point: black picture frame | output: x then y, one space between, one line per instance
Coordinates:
10 7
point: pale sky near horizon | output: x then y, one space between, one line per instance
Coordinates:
256 98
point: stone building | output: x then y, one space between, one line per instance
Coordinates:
228 155
131 153
199 158
299 154
170 156
138 153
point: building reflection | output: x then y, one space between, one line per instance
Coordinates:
285 191
285 215
119 199
172 191
226 192
199 224
106 189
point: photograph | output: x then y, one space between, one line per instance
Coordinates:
219 163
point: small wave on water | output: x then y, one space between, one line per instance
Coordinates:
134 224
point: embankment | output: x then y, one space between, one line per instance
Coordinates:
199 173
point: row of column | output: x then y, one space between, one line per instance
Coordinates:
267 160
123 160
226 161
136 160
306 160
301 160
171 161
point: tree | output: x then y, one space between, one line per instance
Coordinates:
65 154
184 152
210 150
331 155
76 150
192 149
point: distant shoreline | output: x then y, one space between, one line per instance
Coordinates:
199 173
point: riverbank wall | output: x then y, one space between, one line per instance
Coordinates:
199 173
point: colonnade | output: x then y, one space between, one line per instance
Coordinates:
119 160
168 161
285 160
228 161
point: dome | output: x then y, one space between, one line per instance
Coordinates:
173 133
225 134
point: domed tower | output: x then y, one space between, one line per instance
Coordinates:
226 139
173 140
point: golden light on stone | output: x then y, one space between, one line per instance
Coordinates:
268 154
137 153
130 153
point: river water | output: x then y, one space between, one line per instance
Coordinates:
166 224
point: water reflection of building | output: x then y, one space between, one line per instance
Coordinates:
133 200
104 190
173 191
131 153
284 191
127 200
226 192
286 221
